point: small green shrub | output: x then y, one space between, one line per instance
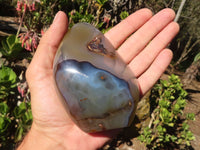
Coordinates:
15 116
4 121
8 84
14 123
87 12
124 14
168 127
197 57
23 116
11 47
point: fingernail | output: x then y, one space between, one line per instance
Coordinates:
56 17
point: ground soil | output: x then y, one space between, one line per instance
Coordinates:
193 106
8 26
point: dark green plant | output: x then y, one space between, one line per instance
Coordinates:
86 12
168 127
124 14
101 2
14 123
77 16
11 47
197 57
4 121
8 83
23 118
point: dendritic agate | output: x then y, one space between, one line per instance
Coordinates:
98 89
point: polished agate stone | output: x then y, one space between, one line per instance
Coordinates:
96 87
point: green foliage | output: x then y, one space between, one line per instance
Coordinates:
168 101
43 14
197 57
11 47
14 120
8 80
145 137
190 116
101 2
14 123
87 12
186 134
5 125
4 119
78 11
23 117
124 14
37 20
79 16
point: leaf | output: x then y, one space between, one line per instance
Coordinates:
11 47
176 109
101 2
8 80
11 41
164 83
20 110
171 124
164 103
19 134
28 117
197 57
7 75
100 25
16 49
124 14
4 45
4 123
156 121
173 138
1 123
181 102
185 126
167 138
190 116
165 115
3 108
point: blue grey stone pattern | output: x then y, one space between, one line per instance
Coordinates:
90 91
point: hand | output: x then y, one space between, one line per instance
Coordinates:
144 51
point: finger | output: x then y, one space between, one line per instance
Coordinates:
120 32
143 60
57 30
136 43
50 42
149 78
42 62
39 75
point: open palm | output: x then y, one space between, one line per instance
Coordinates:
141 41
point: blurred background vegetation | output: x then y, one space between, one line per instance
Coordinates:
22 24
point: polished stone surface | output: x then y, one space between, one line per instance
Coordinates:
98 89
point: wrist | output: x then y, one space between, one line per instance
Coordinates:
36 139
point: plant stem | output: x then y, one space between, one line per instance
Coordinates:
21 21
187 50
99 11
179 10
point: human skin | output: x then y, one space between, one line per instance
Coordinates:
140 40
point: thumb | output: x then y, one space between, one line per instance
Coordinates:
42 61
